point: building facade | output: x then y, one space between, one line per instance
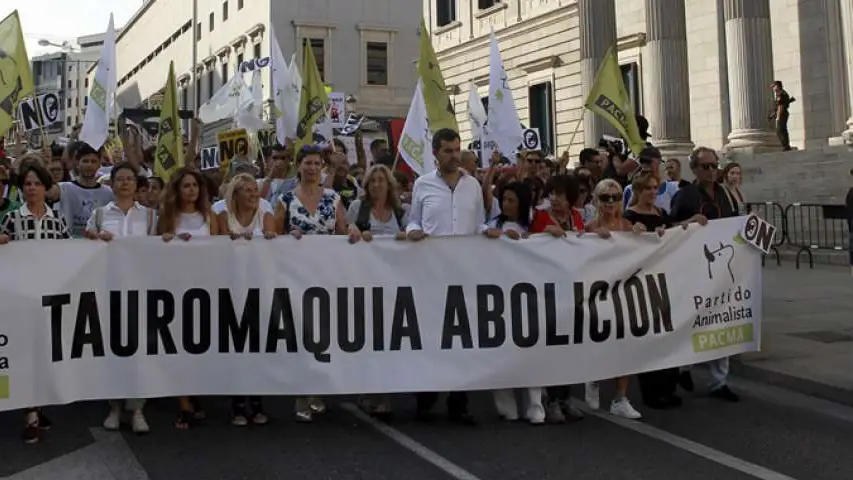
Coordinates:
698 70
364 48
64 73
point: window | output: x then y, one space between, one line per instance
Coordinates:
318 45
69 102
484 4
239 4
197 92
86 101
445 12
68 120
185 97
69 68
77 84
212 17
210 86
377 63
257 51
631 79
225 71
541 100
198 31
86 83
70 83
77 102
224 11
240 61
76 120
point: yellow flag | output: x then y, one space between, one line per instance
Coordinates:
609 99
312 104
16 79
438 105
170 149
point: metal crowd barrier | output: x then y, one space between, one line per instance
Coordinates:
810 227
773 213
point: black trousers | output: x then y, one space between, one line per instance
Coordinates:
457 402
657 384
782 132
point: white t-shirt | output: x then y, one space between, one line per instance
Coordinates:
220 206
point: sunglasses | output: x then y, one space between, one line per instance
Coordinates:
605 198
708 166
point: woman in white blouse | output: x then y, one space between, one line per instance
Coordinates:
123 217
185 213
244 217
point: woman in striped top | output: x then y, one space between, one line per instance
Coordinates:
33 220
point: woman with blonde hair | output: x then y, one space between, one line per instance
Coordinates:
185 213
608 218
244 217
379 210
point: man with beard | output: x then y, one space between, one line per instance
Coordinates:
442 203
339 179
83 195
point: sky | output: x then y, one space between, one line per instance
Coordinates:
61 20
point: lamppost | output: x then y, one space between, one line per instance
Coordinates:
68 49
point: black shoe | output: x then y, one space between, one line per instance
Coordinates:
685 380
463 418
724 393
44 422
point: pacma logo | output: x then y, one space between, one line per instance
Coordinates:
720 260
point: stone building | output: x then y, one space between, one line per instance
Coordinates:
699 70
364 48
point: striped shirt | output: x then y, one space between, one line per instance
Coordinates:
21 224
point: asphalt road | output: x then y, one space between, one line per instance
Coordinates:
770 434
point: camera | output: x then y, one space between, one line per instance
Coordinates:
613 145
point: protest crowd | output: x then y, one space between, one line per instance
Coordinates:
302 188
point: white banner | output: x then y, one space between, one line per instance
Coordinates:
138 317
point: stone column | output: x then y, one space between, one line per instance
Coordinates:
750 64
667 107
847 26
597 35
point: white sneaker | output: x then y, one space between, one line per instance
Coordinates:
535 414
113 420
591 395
623 408
140 426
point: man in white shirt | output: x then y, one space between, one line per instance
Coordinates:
447 201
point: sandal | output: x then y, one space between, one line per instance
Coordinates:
185 420
31 433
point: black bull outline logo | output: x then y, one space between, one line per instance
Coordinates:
719 254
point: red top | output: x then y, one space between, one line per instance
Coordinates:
542 219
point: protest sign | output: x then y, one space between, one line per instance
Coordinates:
232 143
140 318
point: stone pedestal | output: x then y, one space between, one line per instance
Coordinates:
597 35
750 68
667 105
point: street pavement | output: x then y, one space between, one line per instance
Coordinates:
780 430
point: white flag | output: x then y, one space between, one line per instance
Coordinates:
102 94
225 102
287 90
476 112
416 140
504 125
251 105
